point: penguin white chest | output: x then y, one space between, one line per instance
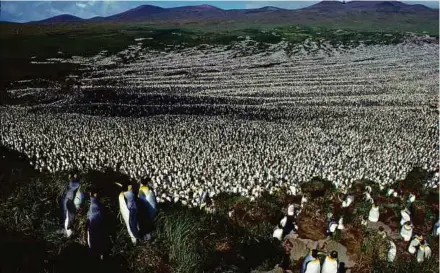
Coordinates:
412 246
373 216
392 252
330 266
406 232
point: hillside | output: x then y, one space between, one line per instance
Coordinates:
362 15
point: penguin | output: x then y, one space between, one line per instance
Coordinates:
288 223
96 232
368 189
314 264
364 220
373 216
311 256
347 202
293 190
331 263
411 198
415 242
406 231
436 229
332 225
392 252
382 232
424 251
341 223
129 212
72 201
147 208
406 216
303 201
390 192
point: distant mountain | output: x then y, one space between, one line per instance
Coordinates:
325 12
368 6
140 13
63 18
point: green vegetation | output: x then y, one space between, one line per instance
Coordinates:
186 239
86 40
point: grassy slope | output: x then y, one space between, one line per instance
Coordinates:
187 240
19 42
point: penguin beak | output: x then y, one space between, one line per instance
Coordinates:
119 184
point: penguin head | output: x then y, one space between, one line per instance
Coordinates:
334 254
93 194
146 181
74 176
314 253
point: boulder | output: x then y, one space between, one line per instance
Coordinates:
343 255
352 238
392 234
300 247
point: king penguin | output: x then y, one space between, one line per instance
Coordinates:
373 216
96 233
147 207
424 251
72 200
331 263
129 212
406 231
436 229
392 252
311 263
415 242
405 216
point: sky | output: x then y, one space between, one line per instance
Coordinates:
24 11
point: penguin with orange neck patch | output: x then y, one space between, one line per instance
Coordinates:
331 263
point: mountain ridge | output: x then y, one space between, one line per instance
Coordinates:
267 15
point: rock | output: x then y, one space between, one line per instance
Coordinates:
352 238
392 234
343 255
300 247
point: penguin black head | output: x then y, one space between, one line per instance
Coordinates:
146 181
315 253
422 242
334 254
93 194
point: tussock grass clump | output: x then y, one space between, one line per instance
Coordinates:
404 266
184 238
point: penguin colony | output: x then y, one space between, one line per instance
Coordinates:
362 113
312 264
253 126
